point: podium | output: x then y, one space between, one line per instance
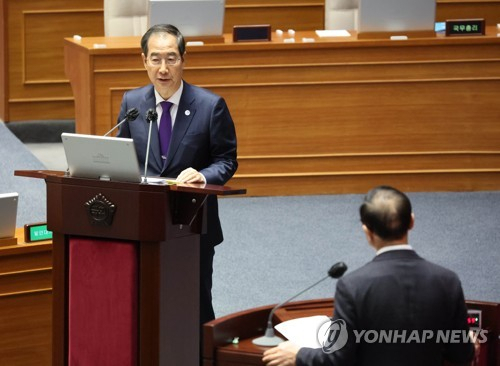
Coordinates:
125 270
228 340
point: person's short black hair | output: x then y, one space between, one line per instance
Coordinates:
164 28
387 212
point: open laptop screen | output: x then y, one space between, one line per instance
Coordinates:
396 15
8 214
194 18
100 157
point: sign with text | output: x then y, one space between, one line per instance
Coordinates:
465 27
36 232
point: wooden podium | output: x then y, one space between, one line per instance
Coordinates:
228 340
126 270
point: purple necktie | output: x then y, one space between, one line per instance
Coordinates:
165 129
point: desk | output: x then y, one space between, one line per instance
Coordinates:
337 115
26 303
219 350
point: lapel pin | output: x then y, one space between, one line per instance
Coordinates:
187 112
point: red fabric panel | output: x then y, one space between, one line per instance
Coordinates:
103 302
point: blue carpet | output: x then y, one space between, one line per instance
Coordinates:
15 156
276 246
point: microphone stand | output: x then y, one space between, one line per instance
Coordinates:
269 339
131 115
151 116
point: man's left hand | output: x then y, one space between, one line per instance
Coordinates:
190 175
283 355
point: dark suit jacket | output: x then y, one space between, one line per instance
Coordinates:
398 290
203 138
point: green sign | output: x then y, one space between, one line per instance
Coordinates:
39 232
465 27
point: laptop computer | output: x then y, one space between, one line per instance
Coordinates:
396 15
194 18
101 157
8 214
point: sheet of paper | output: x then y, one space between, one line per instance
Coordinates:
333 33
161 181
303 331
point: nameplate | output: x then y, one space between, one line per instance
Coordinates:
36 232
251 33
465 27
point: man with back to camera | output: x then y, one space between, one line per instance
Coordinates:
397 290
194 140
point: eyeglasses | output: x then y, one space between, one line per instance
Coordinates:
157 61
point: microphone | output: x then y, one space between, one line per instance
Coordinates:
269 339
151 117
130 116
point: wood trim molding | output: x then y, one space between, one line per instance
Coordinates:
375 154
367 172
24 293
28 271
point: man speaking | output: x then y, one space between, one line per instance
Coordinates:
194 140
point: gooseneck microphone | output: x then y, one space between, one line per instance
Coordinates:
269 339
130 116
151 117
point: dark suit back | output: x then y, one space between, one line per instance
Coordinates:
397 291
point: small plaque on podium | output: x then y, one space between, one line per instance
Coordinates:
251 33
36 232
465 27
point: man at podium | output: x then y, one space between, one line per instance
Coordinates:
193 140
398 309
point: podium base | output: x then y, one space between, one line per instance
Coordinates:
267 341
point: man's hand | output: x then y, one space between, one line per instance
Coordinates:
190 175
282 355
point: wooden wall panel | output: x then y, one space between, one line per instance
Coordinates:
460 9
325 164
327 144
37 85
360 183
113 96
4 87
24 281
26 303
299 17
26 329
364 118
44 44
280 14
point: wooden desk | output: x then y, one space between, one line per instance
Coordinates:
228 340
26 303
337 115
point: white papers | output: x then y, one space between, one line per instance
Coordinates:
195 43
160 181
304 331
399 38
333 33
